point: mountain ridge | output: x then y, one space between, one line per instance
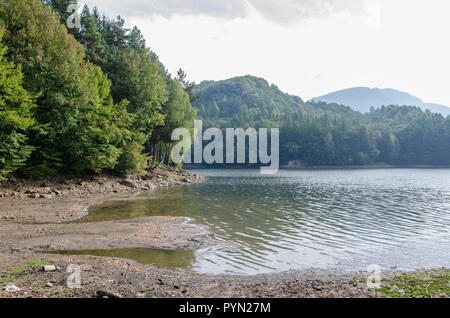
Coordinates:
362 99
253 101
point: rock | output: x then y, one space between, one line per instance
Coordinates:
12 179
128 183
45 190
45 196
12 289
49 268
34 196
49 285
108 294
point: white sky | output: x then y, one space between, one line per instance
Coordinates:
400 44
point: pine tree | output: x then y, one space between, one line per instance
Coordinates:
187 86
91 38
136 40
64 11
80 128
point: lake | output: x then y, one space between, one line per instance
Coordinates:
300 219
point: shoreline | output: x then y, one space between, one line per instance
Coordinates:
368 167
24 244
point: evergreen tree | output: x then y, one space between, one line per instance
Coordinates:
91 38
187 86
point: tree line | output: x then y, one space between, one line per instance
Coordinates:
82 100
96 99
321 134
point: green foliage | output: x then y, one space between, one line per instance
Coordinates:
39 264
15 116
187 86
95 99
178 113
320 134
246 102
54 67
137 79
98 93
421 284
16 271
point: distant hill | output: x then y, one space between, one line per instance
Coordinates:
249 101
317 133
363 98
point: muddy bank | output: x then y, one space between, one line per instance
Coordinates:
129 279
132 280
30 221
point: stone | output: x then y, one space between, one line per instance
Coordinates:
49 268
46 190
128 183
49 285
108 294
12 289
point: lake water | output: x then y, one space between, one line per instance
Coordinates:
299 219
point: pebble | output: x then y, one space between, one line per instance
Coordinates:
12 289
49 268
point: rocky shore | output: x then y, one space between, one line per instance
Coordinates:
160 176
35 218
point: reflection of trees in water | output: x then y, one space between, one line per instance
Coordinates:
179 259
166 203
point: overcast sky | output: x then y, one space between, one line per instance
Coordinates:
305 47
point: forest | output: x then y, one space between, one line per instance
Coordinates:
97 99
82 100
321 134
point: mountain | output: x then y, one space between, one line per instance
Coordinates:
317 133
249 101
363 98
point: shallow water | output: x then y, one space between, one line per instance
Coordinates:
179 259
307 218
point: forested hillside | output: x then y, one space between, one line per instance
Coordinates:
82 100
249 101
97 99
320 134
